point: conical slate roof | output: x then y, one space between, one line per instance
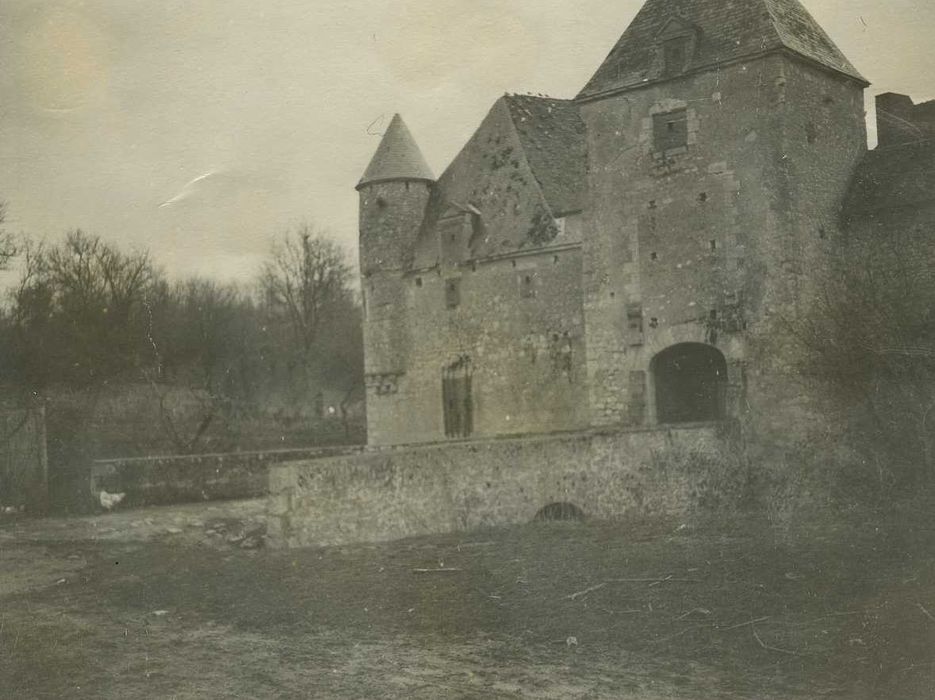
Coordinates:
724 30
397 157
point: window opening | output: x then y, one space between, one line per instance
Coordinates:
453 293
457 398
670 130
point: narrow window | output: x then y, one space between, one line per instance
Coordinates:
453 293
527 287
713 244
635 323
670 130
811 133
418 281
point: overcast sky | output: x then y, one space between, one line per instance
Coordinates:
110 109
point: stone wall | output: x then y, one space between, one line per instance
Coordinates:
518 316
900 121
526 350
394 493
714 241
195 478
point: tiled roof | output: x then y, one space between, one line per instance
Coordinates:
889 178
525 164
725 30
554 141
397 158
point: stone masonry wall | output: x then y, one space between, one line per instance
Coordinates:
519 312
401 492
526 348
703 243
195 478
823 137
899 121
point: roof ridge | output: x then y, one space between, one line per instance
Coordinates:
726 31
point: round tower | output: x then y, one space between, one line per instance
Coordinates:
394 192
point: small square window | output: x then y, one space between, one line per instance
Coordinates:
670 130
453 293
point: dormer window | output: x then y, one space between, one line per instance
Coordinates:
675 53
676 44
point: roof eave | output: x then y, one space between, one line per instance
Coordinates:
383 180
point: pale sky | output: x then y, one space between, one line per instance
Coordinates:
110 109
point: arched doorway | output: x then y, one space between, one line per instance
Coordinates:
690 383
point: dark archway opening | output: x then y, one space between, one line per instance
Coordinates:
691 383
560 511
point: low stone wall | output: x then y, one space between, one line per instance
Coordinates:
395 493
195 478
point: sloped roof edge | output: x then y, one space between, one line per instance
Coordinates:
398 157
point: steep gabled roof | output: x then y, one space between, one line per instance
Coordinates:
525 164
397 158
725 30
553 138
890 178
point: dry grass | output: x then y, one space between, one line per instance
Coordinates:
596 610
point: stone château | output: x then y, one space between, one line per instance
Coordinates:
633 256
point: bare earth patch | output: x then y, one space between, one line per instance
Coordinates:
184 602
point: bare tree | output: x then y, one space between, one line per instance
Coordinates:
79 309
202 333
9 245
307 276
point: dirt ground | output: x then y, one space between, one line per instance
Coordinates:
186 602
